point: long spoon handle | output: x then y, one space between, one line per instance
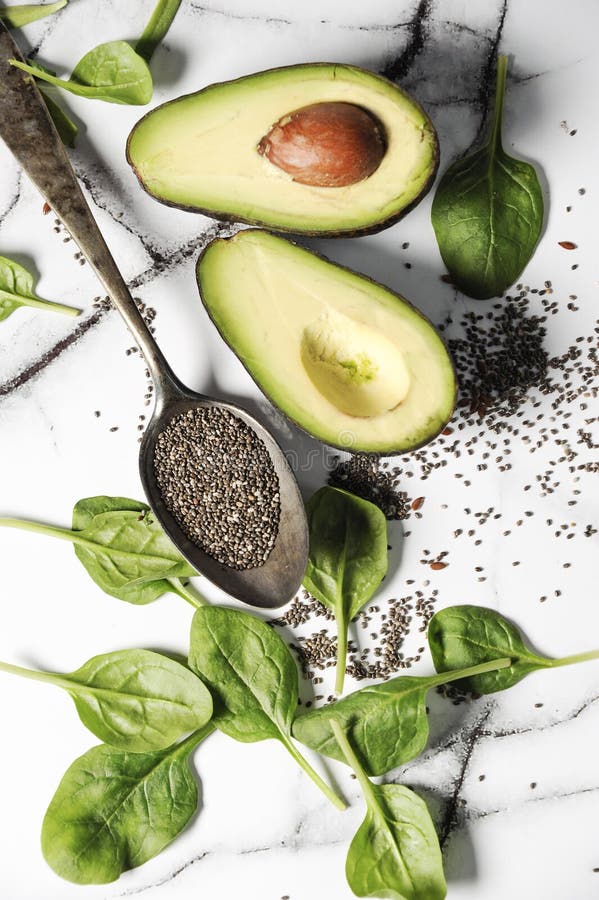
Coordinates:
29 132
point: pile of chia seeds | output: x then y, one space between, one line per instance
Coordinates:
362 475
218 481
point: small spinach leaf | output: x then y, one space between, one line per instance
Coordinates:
135 700
347 559
123 549
156 29
16 289
253 679
114 810
24 13
66 128
395 853
461 636
112 72
386 723
488 213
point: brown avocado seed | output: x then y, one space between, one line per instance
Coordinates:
326 144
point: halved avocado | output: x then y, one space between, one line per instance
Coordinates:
202 152
348 360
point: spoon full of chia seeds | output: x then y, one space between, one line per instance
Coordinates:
215 478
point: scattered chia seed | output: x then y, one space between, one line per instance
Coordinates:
385 654
218 481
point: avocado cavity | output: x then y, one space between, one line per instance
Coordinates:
357 369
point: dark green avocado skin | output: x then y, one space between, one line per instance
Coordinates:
293 421
375 228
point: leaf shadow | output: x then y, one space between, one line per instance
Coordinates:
168 65
408 273
459 856
170 654
168 62
395 537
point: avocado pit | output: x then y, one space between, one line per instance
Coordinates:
330 144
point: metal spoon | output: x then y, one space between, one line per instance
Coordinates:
29 132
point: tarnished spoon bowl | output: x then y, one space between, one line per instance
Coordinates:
29 132
279 578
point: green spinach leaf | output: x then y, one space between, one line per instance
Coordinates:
123 549
114 810
156 29
253 679
135 700
461 636
386 723
16 289
66 128
395 853
347 560
112 72
488 213
24 13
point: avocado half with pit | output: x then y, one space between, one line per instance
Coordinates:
348 360
315 149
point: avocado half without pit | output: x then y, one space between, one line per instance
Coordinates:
348 360
314 149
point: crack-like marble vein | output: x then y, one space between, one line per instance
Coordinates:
242 17
154 271
476 815
171 875
450 818
48 27
536 729
374 27
244 851
418 29
42 362
458 739
487 81
108 181
13 200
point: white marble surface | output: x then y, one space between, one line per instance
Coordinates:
263 831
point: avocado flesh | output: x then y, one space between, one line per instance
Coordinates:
348 360
200 152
